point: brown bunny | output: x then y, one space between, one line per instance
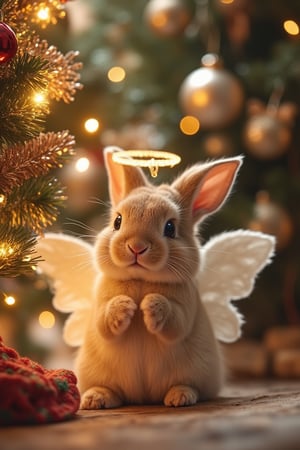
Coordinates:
149 339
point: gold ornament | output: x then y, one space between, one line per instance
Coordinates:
267 133
167 18
212 94
272 219
153 159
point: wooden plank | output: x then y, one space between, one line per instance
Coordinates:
261 414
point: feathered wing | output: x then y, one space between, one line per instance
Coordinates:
230 263
69 264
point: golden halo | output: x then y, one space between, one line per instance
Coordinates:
153 159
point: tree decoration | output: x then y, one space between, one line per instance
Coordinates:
212 94
268 131
30 195
167 18
8 43
271 218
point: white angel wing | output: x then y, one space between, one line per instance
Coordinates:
69 264
230 263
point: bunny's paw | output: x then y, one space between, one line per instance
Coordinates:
99 398
181 395
156 309
119 313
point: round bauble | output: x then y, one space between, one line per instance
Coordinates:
218 144
8 43
271 218
213 95
266 136
167 18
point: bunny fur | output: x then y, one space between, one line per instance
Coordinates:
149 339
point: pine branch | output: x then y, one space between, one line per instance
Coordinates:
20 117
21 14
34 205
34 158
62 72
17 252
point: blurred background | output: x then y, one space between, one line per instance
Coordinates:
201 78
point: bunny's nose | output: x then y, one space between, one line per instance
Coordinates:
137 248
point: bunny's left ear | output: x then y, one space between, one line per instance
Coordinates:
122 179
204 188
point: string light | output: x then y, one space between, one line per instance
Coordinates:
116 74
46 319
291 27
189 125
2 200
43 14
39 98
91 125
5 250
10 300
82 164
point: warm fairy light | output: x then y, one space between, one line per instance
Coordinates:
5 250
2 199
10 300
226 2
116 74
39 98
291 27
153 159
91 125
47 319
189 125
43 14
82 164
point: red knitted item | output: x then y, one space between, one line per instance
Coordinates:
29 393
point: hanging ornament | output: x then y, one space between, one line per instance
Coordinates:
167 18
8 43
218 144
212 94
268 131
271 218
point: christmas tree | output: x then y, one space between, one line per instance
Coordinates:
204 79
32 75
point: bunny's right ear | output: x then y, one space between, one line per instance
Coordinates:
122 178
205 187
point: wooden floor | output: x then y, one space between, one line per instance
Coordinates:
248 415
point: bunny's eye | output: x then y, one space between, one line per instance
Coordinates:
170 230
117 222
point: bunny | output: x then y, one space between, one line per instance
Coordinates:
148 304
149 339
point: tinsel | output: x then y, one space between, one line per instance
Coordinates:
35 158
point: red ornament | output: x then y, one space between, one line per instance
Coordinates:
8 43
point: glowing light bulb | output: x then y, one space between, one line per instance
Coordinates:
10 300
39 98
2 200
91 125
43 13
291 27
116 74
189 125
46 319
82 164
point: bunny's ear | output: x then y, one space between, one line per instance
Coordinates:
122 179
204 188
